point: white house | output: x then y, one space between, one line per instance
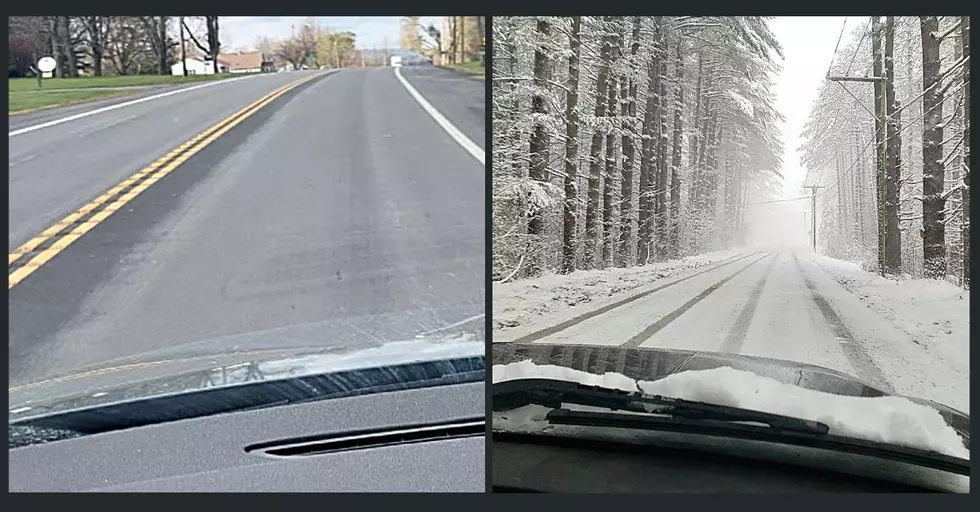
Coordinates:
197 66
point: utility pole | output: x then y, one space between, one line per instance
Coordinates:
880 115
813 212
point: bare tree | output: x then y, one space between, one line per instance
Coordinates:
933 200
965 41
540 140
893 162
595 162
571 150
608 181
96 31
628 89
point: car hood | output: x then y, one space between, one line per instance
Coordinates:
656 363
291 352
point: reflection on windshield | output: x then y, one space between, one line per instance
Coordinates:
236 374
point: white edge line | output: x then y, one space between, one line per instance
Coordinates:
454 132
121 105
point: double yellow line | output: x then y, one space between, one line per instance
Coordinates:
145 178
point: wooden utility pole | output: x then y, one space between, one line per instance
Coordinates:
813 212
888 241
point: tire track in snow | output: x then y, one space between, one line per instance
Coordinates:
548 331
853 350
733 343
647 333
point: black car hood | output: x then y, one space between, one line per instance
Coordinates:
656 363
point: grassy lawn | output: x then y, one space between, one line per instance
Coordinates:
26 101
30 84
473 67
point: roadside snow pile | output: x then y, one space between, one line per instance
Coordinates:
520 303
892 420
936 314
928 352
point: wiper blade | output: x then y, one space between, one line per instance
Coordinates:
553 393
691 417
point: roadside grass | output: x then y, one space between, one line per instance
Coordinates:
474 68
30 84
36 100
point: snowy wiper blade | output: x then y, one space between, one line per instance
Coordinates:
690 417
553 393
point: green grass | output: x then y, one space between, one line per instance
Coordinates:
30 84
473 67
27 101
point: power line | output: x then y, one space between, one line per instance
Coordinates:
776 201
839 37
858 47
905 126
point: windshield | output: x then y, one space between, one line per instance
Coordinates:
767 213
225 201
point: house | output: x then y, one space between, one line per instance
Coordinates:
196 66
245 62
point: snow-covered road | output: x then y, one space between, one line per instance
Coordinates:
778 303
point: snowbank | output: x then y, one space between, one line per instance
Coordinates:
892 420
522 303
928 329
936 314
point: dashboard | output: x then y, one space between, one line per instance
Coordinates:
418 440
554 464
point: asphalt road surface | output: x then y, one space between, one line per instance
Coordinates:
767 303
340 203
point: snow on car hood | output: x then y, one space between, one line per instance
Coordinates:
887 419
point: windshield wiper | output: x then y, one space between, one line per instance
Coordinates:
692 417
553 393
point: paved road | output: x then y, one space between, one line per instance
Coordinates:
761 303
340 205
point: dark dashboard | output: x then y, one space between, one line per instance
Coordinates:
558 464
429 439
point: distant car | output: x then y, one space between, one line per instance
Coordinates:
396 61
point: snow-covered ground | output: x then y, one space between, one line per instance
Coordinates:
530 303
909 337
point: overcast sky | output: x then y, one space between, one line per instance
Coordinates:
808 45
372 31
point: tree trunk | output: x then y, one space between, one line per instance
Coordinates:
662 171
840 196
965 38
933 175
700 184
608 242
628 112
55 31
595 162
648 177
571 151
68 47
183 47
540 142
213 41
893 157
879 138
164 68
675 163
